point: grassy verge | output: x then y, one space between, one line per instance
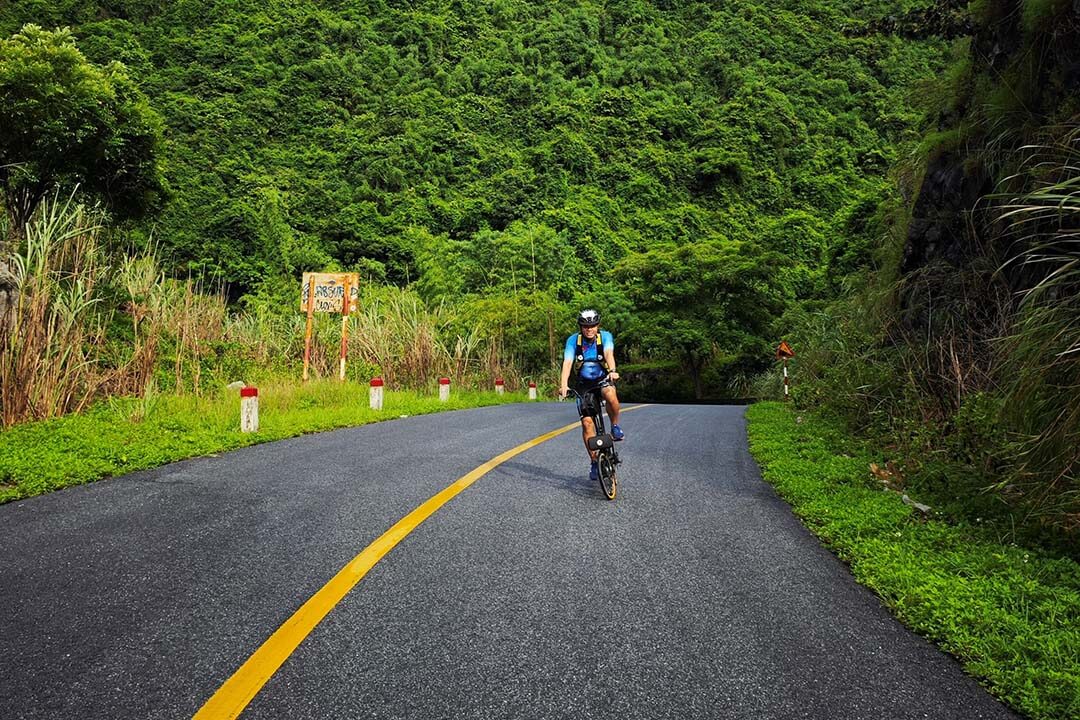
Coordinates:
121 436
1011 615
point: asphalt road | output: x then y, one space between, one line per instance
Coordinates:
695 594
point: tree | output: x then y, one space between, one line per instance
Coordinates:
697 300
67 121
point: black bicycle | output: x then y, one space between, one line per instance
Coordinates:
591 403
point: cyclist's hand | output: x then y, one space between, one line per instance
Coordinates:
614 376
563 392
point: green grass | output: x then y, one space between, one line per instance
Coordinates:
122 436
1011 615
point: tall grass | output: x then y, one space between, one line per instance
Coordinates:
393 334
47 363
1042 404
413 346
91 324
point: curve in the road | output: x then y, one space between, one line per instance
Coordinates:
698 594
235 694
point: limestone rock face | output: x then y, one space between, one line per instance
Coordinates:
954 223
940 220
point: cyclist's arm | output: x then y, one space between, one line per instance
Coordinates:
609 358
567 365
609 355
564 381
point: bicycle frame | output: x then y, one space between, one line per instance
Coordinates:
601 442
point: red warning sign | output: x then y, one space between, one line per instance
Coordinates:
784 351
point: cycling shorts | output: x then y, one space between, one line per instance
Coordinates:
589 396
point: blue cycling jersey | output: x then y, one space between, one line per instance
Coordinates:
592 352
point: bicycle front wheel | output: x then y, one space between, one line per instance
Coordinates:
605 471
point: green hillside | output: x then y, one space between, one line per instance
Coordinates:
507 156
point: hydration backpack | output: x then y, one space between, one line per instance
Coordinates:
579 354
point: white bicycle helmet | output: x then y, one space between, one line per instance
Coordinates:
588 318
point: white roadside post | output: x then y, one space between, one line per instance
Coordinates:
500 388
444 389
375 393
532 391
249 409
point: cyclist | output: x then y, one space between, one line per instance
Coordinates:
590 354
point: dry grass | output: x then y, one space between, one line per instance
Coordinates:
89 326
393 334
47 366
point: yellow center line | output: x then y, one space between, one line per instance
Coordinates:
239 690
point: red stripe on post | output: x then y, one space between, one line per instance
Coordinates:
532 384
444 381
499 381
249 392
376 382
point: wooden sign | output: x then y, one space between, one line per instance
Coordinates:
329 292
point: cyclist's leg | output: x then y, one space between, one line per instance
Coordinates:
588 429
612 400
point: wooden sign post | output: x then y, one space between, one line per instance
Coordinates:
328 292
345 301
785 353
309 285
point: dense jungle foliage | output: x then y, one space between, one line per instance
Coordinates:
962 352
688 168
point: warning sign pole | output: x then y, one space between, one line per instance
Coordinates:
785 353
307 332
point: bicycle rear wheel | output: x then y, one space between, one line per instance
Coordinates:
605 471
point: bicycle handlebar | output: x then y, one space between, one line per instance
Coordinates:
575 393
